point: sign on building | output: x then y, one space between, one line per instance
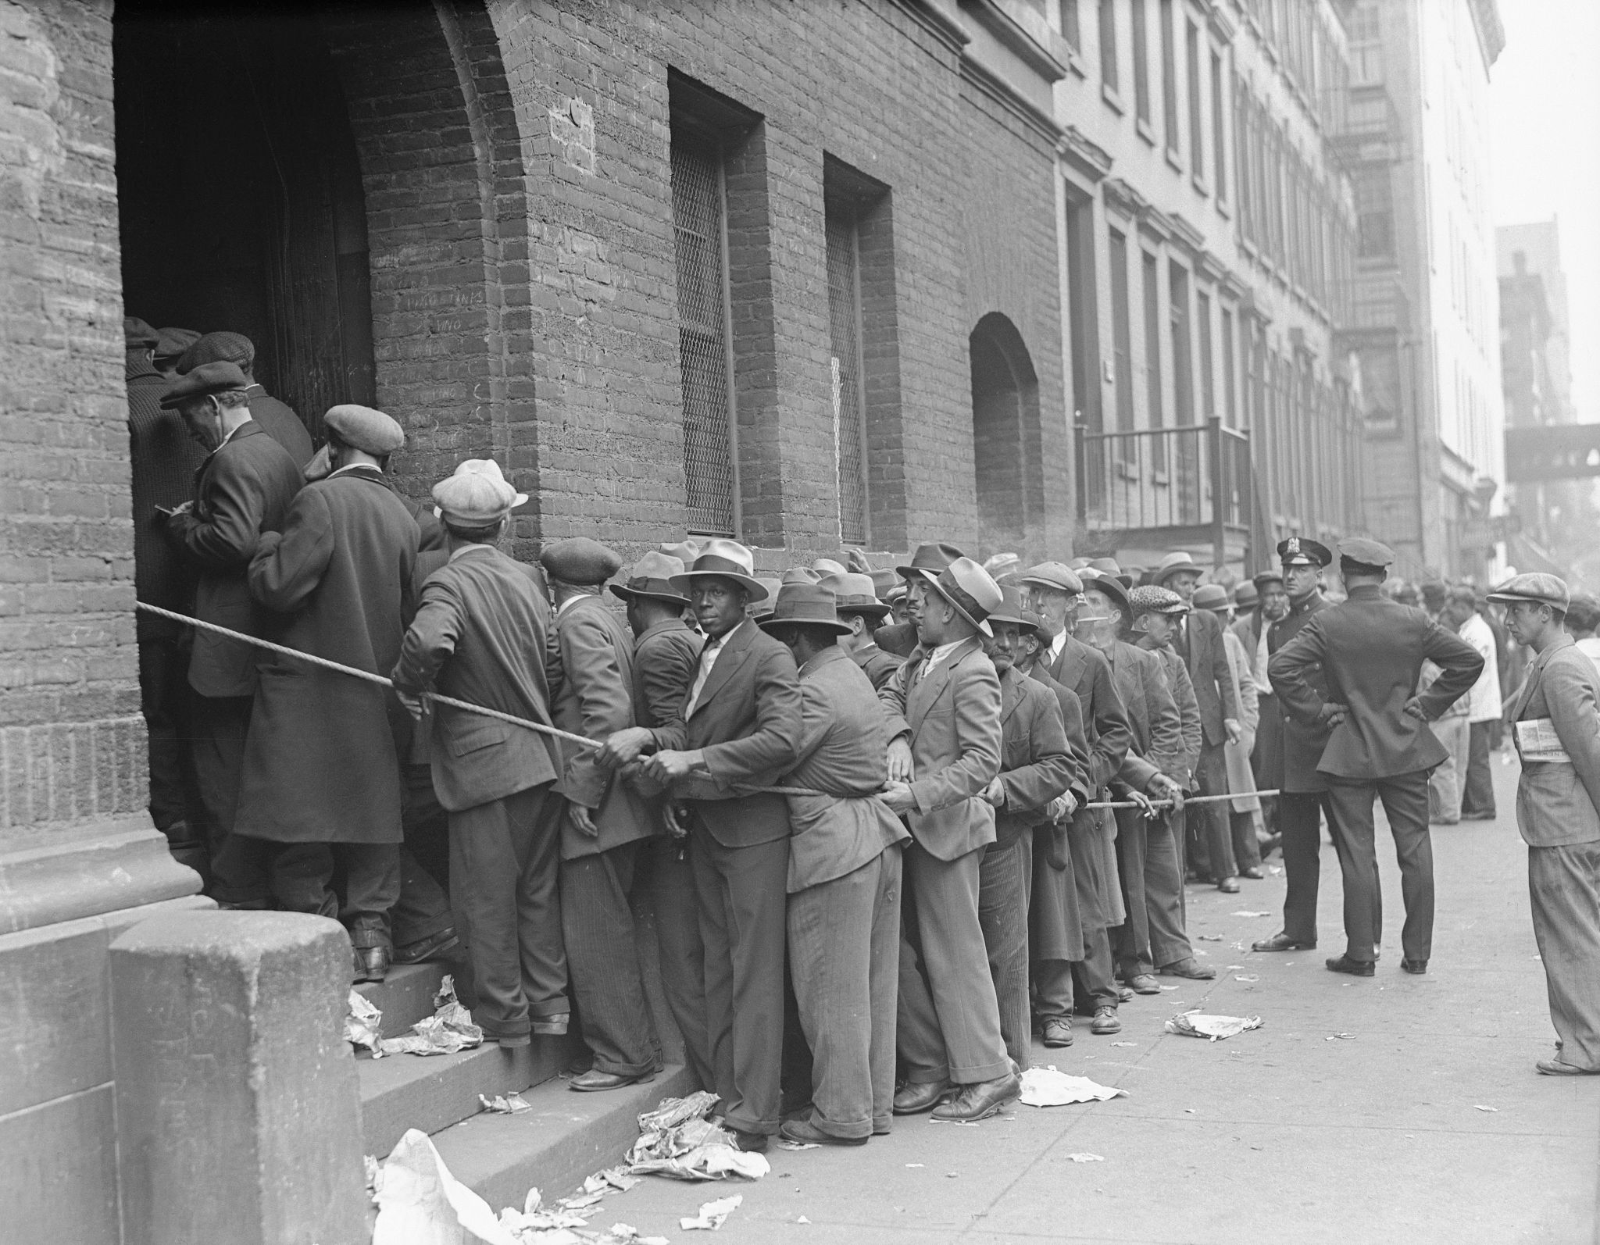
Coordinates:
1552 452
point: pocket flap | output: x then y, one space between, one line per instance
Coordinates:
474 736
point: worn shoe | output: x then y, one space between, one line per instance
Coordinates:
806 1132
1356 968
1229 886
436 947
1188 967
981 1100
1282 942
594 1081
1058 1031
1105 1021
1554 1067
1125 993
370 963
1417 967
1253 872
750 1143
552 1026
1144 983
914 1099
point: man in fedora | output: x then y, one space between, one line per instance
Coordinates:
944 706
1037 768
1370 651
844 878
480 635
1198 641
739 727
861 611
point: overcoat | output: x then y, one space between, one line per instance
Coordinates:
1091 865
1241 778
321 759
164 458
1179 766
1207 663
1086 672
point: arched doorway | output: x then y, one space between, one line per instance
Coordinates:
1007 467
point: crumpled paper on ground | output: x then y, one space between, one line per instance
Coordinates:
508 1104
448 1030
1196 1024
1046 1087
676 1139
712 1214
421 1203
363 1023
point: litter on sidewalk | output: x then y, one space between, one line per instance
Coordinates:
363 1023
1087 1158
508 1104
448 1030
421 1203
712 1214
1047 1087
1199 1025
677 1139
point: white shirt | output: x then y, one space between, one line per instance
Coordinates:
1262 658
1483 701
1057 644
939 654
1589 646
708 658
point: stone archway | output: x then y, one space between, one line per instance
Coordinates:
1007 452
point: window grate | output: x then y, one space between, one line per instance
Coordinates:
844 329
698 226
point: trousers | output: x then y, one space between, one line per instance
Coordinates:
844 950
683 951
303 877
1005 881
220 726
1300 824
165 700
1445 783
1405 801
1212 834
949 1018
1477 795
504 860
1152 885
1564 890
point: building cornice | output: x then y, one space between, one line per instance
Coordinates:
943 28
1490 30
1009 98
1188 235
1093 161
1041 49
1124 198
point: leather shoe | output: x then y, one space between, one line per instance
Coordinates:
1105 1021
431 948
552 1026
805 1132
750 1143
1282 942
1554 1067
1144 983
922 1096
1356 968
1188 967
595 1080
1253 873
1125 994
1229 886
981 1100
371 963
1417 967
1058 1031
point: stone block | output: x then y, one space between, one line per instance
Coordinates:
238 1111
59 1178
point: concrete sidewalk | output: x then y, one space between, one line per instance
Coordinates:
1288 1133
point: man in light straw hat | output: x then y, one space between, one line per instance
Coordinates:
480 635
739 727
945 724
861 611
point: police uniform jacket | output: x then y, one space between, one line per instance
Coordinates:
876 664
321 760
595 700
1289 748
1371 650
1557 801
243 488
1035 761
844 742
951 715
480 635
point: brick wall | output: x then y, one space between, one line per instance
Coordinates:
71 742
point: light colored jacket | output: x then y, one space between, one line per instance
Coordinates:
1483 701
1241 777
1556 801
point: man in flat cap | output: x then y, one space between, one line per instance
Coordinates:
243 489
861 611
320 789
170 346
1369 652
944 707
666 654
1556 728
480 634
607 825
844 879
739 727
276 417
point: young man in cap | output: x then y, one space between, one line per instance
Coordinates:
944 706
1556 727
1370 651
279 419
607 824
1244 810
1198 641
739 727
169 349
863 613
480 635
844 878
1037 769
666 653
243 489
320 789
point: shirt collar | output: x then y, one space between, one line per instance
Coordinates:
826 657
371 469
562 608
466 549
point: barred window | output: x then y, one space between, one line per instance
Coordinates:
845 367
699 225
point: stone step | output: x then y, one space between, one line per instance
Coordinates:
432 1092
565 1138
405 996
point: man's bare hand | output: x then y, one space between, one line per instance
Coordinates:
1333 713
676 818
1414 708
582 820
624 747
412 703
900 766
994 793
897 795
1062 807
1235 731
669 766
1164 788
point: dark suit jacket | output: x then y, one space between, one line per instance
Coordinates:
876 664
664 659
243 489
164 458
1077 739
952 717
899 639
1181 768
1085 671
1035 761
1371 650
480 635
747 723
1153 715
1291 749
1207 662
281 423
595 700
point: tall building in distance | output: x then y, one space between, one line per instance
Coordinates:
1424 321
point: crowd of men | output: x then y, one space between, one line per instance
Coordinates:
861 801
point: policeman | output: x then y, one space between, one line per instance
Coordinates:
1369 651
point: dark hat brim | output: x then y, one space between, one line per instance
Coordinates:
1012 618
878 609
769 622
625 593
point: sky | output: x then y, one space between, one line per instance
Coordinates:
1544 100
